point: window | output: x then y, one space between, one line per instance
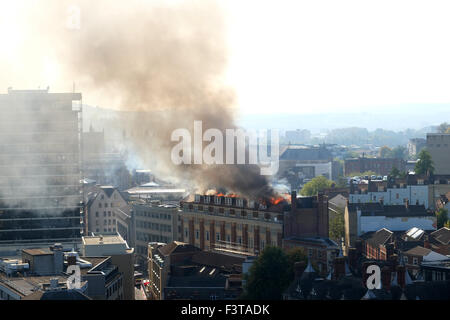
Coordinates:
415 261
109 213
104 213
96 214
217 236
207 235
197 234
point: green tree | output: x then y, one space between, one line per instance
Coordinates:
295 255
425 164
315 185
341 182
268 277
442 217
337 227
394 173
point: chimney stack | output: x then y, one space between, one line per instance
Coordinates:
339 267
294 200
72 258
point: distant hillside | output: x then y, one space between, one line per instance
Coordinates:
394 118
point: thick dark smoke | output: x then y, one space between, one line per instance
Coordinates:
164 61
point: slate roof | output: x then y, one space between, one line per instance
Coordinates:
442 235
418 251
177 247
377 209
109 190
214 259
380 237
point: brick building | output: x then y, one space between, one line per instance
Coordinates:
381 166
211 221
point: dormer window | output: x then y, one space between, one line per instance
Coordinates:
228 201
197 198
239 202
207 199
216 200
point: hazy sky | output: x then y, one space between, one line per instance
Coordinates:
310 56
313 56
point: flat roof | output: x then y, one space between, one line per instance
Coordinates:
105 239
37 252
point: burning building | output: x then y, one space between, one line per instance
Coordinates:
40 168
230 222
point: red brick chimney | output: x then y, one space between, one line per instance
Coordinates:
71 259
401 276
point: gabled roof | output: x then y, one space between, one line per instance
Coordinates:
339 201
177 247
427 254
442 235
381 237
415 233
109 190
418 251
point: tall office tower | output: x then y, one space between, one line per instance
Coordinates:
41 193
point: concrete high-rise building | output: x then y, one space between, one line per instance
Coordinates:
122 256
41 194
438 145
